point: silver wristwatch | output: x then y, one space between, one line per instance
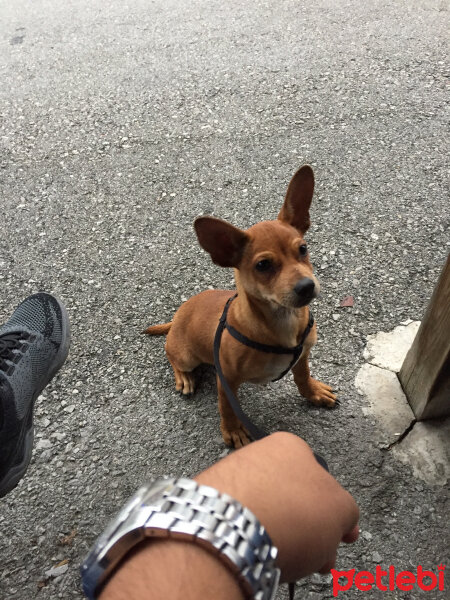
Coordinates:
183 509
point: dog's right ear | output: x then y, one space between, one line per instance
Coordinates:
223 241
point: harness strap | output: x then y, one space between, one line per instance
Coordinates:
261 347
298 348
255 431
294 350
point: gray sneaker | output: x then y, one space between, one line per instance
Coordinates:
34 344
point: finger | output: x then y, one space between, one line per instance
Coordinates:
351 536
349 518
328 566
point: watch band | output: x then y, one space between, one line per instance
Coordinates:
183 509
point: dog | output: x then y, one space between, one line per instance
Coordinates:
275 284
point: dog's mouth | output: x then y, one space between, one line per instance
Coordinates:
299 302
303 292
292 301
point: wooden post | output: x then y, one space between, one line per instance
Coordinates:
425 373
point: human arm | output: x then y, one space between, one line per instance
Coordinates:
304 510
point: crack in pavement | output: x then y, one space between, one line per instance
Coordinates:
402 436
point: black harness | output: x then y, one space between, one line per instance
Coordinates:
296 351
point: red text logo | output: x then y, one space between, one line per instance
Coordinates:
388 580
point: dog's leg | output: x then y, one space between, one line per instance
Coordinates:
184 380
233 432
315 391
182 369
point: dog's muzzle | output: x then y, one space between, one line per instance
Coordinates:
304 291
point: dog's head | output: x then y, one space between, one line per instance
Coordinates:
271 258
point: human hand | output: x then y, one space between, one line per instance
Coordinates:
303 508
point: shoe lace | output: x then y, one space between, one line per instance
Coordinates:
12 347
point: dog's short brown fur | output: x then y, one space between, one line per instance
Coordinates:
275 283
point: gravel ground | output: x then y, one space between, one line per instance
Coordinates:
122 122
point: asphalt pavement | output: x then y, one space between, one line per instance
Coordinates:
120 122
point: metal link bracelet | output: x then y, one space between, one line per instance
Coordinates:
182 509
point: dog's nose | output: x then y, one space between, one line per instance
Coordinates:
305 288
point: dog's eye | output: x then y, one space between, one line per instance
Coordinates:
303 250
263 265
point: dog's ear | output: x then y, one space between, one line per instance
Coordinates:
295 209
223 241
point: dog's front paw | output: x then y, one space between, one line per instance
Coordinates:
236 436
318 393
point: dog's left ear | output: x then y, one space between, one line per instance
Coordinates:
295 209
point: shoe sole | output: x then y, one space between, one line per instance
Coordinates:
17 471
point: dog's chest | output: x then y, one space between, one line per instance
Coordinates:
272 367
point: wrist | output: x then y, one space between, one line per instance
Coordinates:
179 570
183 510
279 487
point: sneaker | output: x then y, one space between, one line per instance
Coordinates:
34 344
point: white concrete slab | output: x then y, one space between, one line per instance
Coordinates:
388 349
386 399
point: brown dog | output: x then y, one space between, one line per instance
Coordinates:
275 283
